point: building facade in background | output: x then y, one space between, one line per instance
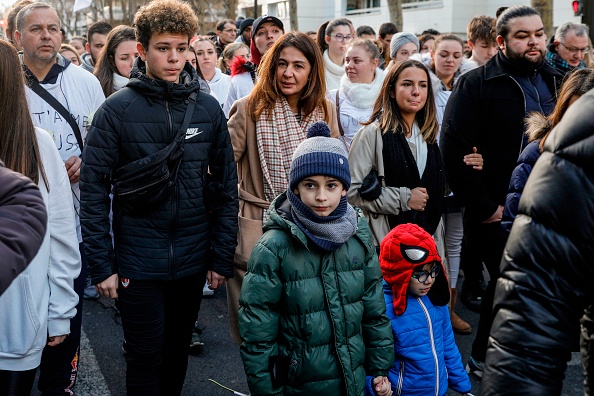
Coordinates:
418 15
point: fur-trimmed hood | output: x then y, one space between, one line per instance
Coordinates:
537 126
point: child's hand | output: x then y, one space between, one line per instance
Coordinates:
382 386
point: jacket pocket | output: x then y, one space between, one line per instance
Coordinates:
21 320
248 234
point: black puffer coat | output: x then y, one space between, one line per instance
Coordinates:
180 238
547 269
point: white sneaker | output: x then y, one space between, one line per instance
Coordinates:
206 292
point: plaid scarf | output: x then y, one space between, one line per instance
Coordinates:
278 133
561 64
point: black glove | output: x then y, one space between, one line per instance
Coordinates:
371 188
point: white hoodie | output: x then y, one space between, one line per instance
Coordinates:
41 301
219 85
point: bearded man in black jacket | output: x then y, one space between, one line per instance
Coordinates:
161 254
486 110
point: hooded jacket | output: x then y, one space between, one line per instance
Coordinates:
87 62
181 237
546 270
23 221
538 127
322 312
486 110
427 360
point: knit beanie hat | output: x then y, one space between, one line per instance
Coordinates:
320 154
402 250
399 39
245 24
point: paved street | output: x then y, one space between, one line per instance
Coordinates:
102 364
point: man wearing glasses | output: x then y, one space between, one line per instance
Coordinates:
568 48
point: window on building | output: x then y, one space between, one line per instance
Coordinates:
355 5
411 4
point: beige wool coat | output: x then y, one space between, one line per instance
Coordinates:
252 202
367 153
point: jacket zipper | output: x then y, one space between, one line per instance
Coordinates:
432 345
400 378
133 192
524 97
174 209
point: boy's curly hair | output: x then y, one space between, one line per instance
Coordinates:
164 16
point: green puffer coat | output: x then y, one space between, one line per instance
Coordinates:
322 313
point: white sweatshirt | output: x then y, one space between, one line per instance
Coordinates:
41 301
79 92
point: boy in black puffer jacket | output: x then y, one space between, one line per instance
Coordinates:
162 254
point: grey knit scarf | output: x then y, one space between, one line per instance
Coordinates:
329 232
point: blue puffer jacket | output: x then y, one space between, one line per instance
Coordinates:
518 180
427 359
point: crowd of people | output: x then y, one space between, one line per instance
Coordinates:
338 184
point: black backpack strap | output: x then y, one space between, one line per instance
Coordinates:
45 95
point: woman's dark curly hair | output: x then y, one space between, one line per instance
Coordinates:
164 16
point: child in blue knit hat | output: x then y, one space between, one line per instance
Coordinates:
312 317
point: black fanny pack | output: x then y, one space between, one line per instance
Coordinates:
142 185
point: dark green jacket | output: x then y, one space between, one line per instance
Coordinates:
322 313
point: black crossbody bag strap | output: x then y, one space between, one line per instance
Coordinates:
43 94
187 118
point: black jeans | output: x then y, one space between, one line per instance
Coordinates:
59 364
17 383
158 317
488 242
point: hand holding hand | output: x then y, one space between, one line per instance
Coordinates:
214 280
73 167
495 217
475 160
382 386
418 198
109 287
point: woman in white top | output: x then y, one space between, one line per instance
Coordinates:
206 56
36 309
359 87
334 41
116 59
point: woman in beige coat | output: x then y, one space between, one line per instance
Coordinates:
265 129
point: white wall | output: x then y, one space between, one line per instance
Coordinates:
452 16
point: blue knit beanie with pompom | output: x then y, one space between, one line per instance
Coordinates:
320 154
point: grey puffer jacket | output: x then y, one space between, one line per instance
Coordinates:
323 314
181 237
